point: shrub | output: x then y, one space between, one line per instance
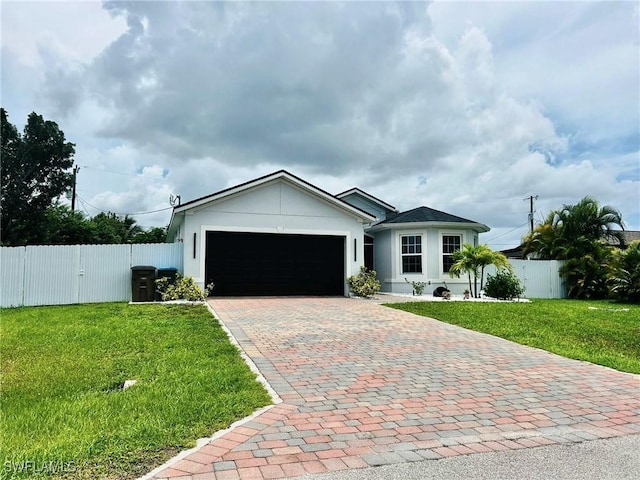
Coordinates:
504 285
624 274
184 288
586 277
364 284
418 287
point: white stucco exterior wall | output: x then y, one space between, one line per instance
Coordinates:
277 207
388 263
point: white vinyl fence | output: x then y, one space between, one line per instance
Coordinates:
59 275
541 278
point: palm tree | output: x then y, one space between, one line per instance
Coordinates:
571 231
587 219
579 235
585 276
472 260
485 257
464 262
545 241
624 273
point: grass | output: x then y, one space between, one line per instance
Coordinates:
599 332
62 405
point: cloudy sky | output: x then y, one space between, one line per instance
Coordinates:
466 107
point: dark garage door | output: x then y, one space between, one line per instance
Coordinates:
274 264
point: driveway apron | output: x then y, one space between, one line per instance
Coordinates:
361 385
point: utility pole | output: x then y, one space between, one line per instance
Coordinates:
73 192
531 198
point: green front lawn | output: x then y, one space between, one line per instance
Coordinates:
595 331
62 404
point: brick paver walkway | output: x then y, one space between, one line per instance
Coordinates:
365 385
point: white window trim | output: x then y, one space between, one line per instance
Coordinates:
422 250
441 236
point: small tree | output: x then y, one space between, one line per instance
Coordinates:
487 257
464 261
473 260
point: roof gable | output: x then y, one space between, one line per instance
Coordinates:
281 175
355 191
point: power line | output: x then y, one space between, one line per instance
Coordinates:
126 214
507 232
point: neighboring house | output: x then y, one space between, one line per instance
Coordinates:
280 235
628 236
514 253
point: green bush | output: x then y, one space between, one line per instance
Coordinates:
586 277
624 274
365 284
184 288
504 285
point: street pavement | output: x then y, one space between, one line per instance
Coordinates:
611 459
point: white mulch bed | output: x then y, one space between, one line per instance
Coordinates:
454 298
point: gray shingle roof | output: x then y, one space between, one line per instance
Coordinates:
424 214
628 236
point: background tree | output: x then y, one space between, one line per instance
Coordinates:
34 172
585 276
624 273
64 227
153 235
573 230
110 228
579 234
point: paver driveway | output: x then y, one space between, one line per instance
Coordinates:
364 385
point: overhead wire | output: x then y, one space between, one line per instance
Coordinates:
121 213
507 232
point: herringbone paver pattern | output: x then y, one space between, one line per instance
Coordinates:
364 385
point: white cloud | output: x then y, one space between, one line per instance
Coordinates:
75 30
464 107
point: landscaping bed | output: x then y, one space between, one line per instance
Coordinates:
65 412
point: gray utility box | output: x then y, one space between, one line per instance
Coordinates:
143 283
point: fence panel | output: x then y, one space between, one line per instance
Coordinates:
105 273
541 278
12 277
67 274
159 255
52 275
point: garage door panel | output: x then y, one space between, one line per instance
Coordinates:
275 264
